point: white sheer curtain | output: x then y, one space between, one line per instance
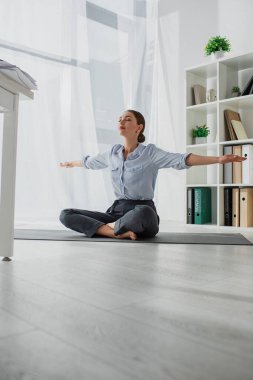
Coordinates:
91 61
138 63
49 41
166 115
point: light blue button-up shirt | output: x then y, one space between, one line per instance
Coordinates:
135 177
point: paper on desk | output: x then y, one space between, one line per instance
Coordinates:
17 74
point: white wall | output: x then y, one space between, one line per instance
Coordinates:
235 21
199 20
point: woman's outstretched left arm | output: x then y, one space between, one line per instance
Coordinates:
194 159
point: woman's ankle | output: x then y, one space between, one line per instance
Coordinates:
105 230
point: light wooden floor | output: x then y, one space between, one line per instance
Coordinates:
74 310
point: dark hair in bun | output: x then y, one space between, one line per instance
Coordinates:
140 120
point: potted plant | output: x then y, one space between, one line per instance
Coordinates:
200 133
235 91
216 46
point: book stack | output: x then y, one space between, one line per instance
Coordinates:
239 172
238 206
199 210
234 129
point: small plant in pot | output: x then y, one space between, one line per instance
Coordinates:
235 91
200 133
216 46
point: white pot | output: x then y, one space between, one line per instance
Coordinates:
199 140
235 94
217 55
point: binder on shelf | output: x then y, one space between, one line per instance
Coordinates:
228 206
199 94
190 206
239 130
237 166
247 165
236 207
246 207
247 89
228 168
202 205
231 115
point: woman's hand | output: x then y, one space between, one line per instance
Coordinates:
231 158
71 164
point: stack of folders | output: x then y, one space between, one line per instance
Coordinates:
239 172
199 205
238 207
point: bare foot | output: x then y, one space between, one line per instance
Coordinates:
127 235
106 230
111 225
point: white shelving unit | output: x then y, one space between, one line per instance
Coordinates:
221 75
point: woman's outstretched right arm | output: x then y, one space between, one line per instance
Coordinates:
71 164
100 161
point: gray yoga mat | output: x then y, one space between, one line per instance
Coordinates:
160 238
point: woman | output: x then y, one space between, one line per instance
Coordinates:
134 168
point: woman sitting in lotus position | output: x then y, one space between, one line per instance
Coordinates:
134 168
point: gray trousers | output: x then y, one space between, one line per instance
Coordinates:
129 215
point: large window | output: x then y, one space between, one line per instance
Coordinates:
92 60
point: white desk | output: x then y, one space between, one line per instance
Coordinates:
10 94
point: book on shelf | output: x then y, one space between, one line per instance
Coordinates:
246 207
247 165
248 89
190 206
236 207
228 168
229 130
199 93
239 130
237 166
202 205
228 206
239 172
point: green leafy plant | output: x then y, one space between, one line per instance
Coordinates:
200 131
217 43
235 89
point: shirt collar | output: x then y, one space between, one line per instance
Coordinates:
135 153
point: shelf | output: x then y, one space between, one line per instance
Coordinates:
203 225
206 145
233 229
235 62
222 228
201 185
236 185
239 102
236 142
210 106
240 62
221 185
